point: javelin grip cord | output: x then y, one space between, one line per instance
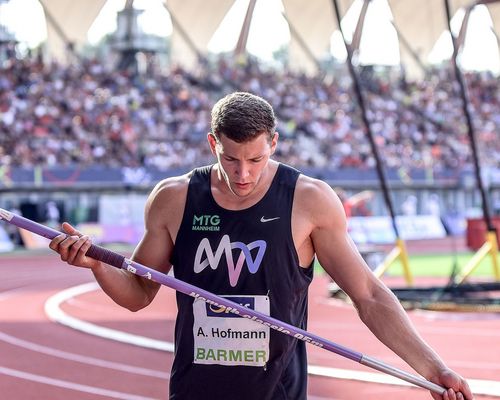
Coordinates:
119 261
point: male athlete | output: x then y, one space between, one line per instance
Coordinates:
249 228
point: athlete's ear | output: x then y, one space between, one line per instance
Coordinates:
212 141
274 142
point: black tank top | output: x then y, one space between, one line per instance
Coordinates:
248 256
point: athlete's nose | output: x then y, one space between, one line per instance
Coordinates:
242 170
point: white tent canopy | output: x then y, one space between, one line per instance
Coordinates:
200 19
71 19
312 23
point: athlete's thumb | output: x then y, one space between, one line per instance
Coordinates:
70 229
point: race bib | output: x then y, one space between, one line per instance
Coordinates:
223 338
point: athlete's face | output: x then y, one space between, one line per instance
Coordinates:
242 165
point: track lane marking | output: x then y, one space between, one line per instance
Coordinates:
478 386
71 385
54 313
424 328
98 362
12 292
107 308
319 357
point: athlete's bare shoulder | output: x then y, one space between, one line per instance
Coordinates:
172 186
168 198
311 188
315 199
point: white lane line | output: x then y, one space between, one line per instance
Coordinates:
72 356
106 309
460 364
478 386
12 292
81 359
423 328
71 385
54 313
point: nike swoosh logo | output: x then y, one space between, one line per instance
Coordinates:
263 219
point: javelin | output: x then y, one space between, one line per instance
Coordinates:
119 261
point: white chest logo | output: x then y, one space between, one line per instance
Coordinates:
226 247
264 219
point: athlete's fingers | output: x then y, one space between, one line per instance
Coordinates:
451 394
75 253
65 245
60 244
54 243
70 229
86 246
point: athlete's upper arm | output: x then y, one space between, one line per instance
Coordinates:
162 217
333 246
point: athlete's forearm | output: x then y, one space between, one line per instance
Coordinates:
384 316
122 287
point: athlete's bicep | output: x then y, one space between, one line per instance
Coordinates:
334 248
162 216
154 250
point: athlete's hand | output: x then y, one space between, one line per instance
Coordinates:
457 387
72 247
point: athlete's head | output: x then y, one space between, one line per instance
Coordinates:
243 138
242 116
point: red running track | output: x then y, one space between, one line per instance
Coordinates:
45 360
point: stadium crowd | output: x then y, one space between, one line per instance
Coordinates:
89 114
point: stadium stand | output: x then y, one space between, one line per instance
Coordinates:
87 114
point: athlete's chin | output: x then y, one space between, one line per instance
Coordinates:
242 189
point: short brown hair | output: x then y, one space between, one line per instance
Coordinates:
242 116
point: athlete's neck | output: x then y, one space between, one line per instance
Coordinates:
229 199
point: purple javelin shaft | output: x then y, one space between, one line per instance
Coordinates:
119 261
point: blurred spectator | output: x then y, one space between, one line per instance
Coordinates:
409 206
53 215
12 230
357 204
433 206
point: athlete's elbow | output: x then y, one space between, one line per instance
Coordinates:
134 309
376 303
143 296
368 300
137 303
137 306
